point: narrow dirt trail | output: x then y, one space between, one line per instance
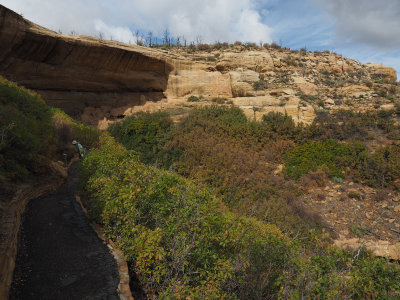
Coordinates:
60 256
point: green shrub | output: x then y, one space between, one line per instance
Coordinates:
337 179
369 84
260 85
381 168
321 103
193 99
339 274
350 126
26 131
312 155
280 124
308 98
147 134
375 278
229 116
355 195
358 231
219 100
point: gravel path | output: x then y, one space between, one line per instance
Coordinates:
60 256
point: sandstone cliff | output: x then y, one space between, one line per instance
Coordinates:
99 81
72 72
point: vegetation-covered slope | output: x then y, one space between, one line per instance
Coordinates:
26 131
221 148
183 242
235 229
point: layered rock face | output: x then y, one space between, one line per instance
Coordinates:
100 81
74 72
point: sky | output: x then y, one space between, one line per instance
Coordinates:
365 30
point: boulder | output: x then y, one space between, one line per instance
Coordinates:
379 248
329 102
242 89
252 60
380 70
200 83
388 107
305 87
244 76
354 90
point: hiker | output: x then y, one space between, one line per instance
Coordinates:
79 148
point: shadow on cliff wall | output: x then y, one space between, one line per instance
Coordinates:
79 72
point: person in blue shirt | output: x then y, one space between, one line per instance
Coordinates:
79 148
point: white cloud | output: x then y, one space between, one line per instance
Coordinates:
66 16
118 33
369 22
213 20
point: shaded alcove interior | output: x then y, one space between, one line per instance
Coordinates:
75 73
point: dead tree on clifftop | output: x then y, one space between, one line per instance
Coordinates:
199 40
184 41
139 40
150 38
167 40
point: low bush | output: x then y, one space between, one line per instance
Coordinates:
312 155
204 47
260 85
219 100
308 98
375 278
225 151
283 125
147 134
67 129
380 168
358 231
193 99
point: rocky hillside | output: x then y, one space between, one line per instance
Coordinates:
99 81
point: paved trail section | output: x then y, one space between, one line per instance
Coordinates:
60 256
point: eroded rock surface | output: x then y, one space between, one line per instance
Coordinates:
382 71
72 72
100 81
379 248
